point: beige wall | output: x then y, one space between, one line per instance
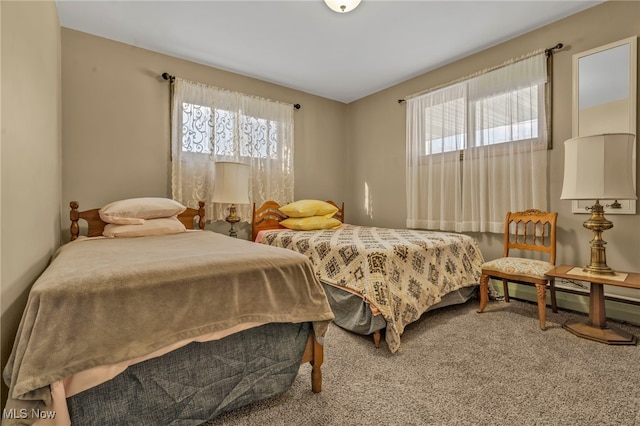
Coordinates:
376 135
30 154
115 124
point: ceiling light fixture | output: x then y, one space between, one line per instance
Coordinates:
342 6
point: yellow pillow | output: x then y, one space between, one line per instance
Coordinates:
310 223
308 208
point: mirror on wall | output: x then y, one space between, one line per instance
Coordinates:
604 101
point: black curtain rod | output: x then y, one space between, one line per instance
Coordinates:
547 52
172 78
550 50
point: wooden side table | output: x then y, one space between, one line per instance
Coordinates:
596 327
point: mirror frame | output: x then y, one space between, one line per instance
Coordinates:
628 206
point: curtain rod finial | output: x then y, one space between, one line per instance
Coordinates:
550 50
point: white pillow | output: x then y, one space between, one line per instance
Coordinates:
134 211
161 226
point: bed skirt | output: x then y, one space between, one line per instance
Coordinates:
353 313
197 382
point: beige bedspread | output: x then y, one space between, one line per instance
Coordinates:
400 272
102 301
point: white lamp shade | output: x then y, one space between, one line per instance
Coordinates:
231 184
342 6
599 167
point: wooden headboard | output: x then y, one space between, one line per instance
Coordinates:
268 216
96 225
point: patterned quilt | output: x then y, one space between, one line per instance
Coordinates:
400 272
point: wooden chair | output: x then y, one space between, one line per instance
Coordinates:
533 231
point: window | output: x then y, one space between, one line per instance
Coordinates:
258 137
476 149
196 128
443 135
211 124
507 117
502 118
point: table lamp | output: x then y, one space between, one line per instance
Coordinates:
231 186
599 167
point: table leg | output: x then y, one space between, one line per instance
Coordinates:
596 328
597 315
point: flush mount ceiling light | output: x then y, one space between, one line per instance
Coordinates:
342 6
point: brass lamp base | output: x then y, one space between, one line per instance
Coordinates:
233 218
598 224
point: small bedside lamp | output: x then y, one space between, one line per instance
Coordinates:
599 167
231 186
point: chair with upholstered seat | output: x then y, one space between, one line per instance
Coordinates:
527 231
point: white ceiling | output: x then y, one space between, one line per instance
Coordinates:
306 46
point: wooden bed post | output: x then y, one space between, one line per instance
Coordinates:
316 366
74 216
314 355
376 338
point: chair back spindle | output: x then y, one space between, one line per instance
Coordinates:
531 230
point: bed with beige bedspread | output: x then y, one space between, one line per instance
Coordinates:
103 301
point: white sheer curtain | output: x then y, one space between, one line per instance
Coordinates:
435 135
477 149
211 124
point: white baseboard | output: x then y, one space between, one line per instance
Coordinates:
615 310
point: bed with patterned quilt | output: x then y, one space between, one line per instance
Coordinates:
144 321
378 278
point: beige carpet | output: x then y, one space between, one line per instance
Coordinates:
457 367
